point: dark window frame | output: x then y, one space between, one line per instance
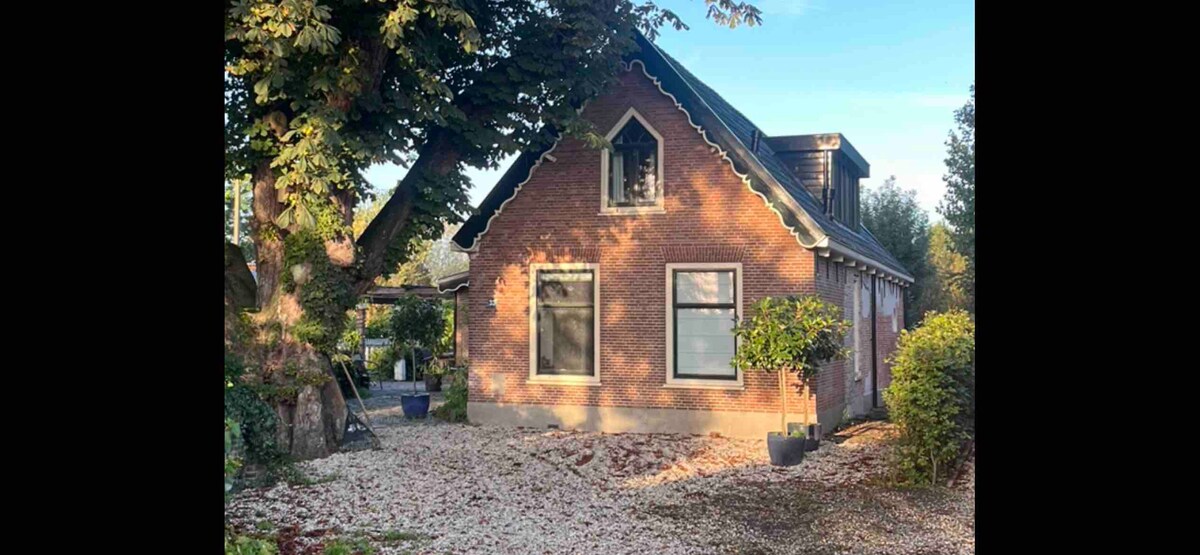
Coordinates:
633 149
538 319
676 305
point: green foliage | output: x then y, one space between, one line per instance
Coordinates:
893 216
379 322
455 407
246 545
445 342
246 241
798 434
942 292
932 395
233 461
351 338
958 206
324 290
255 419
352 546
382 365
394 536
791 334
416 321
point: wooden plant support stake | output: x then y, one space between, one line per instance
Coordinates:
783 403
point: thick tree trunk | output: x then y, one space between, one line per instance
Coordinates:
268 239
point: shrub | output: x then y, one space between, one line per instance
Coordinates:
246 545
455 407
255 418
932 395
233 461
791 334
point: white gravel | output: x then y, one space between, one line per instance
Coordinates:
470 489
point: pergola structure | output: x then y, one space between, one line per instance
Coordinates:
449 287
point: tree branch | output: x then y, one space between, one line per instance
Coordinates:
436 158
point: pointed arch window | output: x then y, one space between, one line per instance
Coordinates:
632 170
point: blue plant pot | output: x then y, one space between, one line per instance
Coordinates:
415 406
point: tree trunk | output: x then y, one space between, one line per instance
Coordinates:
783 402
268 239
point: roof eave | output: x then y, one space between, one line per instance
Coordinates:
830 247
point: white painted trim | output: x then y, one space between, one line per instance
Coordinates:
863 261
824 242
660 192
722 153
456 288
671 380
534 377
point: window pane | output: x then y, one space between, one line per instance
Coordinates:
633 167
704 287
704 341
565 340
569 288
616 181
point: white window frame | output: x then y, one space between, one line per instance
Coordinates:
534 377
659 206
699 383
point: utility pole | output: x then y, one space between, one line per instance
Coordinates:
237 212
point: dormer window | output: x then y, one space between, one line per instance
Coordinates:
631 172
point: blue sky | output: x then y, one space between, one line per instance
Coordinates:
887 75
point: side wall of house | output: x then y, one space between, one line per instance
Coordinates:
710 216
847 387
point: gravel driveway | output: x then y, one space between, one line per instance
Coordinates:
454 488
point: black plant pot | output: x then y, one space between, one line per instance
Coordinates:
415 406
433 383
811 444
784 450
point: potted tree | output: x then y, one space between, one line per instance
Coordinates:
790 334
415 322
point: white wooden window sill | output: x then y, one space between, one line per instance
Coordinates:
633 211
548 380
705 385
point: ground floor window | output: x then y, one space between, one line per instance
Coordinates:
564 322
703 304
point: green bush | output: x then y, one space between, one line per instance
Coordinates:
932 395
455 407
233 461
246 545
255 418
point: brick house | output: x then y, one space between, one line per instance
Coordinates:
603 283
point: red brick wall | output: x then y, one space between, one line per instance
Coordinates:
839 284
711 216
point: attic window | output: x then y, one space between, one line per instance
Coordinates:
631 172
